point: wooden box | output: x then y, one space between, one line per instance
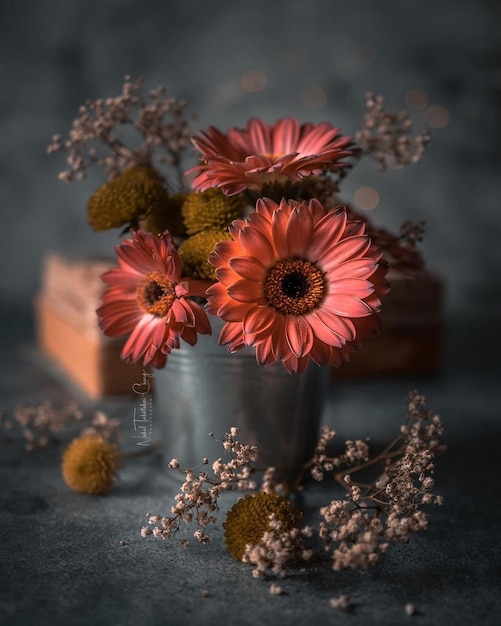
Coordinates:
68 332
413 337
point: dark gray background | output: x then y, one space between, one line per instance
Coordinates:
61 561
56 54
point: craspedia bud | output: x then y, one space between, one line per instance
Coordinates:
195 250
126 199
168 217
90 464
211 209
249 520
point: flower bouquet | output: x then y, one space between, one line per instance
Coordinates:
252 241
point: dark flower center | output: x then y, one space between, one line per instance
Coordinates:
156 294
294 286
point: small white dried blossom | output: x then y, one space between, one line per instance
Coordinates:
387 137
45 424
358 530
276 590
197 500
342 602
410 609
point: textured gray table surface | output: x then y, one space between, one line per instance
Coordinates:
62 562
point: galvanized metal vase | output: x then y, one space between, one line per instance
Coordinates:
205 389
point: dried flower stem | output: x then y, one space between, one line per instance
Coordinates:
356 530
198 497
44 424
158 124
387 137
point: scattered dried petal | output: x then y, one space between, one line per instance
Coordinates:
342 602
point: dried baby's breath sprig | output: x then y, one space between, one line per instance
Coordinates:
104 426
197 500
40 425
321 463
387 137
278 548
342 602
411 232
269 483
156 125
263 529
45 424
357 530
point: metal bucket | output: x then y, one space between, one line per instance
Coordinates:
205 389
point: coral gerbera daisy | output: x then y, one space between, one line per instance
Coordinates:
149 298
262 154
298 282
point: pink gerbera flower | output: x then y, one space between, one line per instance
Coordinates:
297 282
149 299
261 153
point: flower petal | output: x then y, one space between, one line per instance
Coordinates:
140 338
256 244
231 335
328 231
258 319
353 268
347 306
343 327
299 231
118 318
324 332
248 267
299 335
246 291
356 287
344 250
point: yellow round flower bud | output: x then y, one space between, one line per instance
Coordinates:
126 199
90 464
249 520
195 250
167 217
211 209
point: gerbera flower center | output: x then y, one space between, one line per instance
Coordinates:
294 286
272 156
156 294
